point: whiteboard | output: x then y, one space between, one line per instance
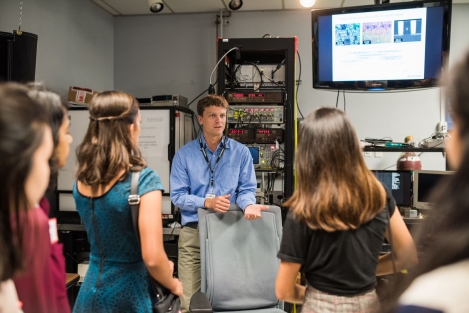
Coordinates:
154 142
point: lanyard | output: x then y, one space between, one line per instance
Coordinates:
208 161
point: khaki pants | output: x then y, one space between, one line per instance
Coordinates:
189 264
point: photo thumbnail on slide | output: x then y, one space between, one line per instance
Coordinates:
407 30
347 34
377 32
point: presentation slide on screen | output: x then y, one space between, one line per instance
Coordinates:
379 45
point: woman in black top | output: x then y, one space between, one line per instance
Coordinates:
337 223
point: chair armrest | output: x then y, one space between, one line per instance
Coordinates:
200 303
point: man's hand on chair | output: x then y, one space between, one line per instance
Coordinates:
253 211
219 204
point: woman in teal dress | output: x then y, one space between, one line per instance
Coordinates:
118 276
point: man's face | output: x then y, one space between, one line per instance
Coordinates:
213 121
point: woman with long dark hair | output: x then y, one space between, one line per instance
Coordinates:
441 281
117 279
337 222
56 111
25 148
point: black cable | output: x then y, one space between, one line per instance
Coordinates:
71 257
258 70
298 86
337 100
345 110
277 68
388 167
266 35
202 93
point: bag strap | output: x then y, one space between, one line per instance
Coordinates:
134 202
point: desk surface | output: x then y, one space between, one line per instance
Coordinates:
71 279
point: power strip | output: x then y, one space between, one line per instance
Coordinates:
433 142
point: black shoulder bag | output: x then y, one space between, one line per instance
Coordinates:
167 302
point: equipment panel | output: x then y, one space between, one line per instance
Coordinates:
256 135
269 135
254 97
247 114
242 135
266 156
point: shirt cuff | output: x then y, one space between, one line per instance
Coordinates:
244 203
199 203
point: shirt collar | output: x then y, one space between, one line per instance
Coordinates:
228 142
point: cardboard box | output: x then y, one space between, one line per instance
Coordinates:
80 94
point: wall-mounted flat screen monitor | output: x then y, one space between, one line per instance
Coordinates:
379 47
424 186
399 183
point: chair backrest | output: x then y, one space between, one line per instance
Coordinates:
238 257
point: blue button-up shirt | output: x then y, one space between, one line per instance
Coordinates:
190 176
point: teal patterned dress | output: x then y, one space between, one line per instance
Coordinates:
117 280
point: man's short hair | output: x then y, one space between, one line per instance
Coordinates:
211 100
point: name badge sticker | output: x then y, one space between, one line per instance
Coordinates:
54 235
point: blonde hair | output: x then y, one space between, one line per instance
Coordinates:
108 146
336 191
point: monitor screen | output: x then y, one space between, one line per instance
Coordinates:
388 46
399 183
424 184
255 154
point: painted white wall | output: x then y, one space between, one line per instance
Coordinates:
176 54
75 45
459 36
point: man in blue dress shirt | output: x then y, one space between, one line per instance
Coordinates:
209 172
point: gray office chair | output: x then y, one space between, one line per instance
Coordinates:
239 261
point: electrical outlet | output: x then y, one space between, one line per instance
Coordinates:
368 154
378 154
442 127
